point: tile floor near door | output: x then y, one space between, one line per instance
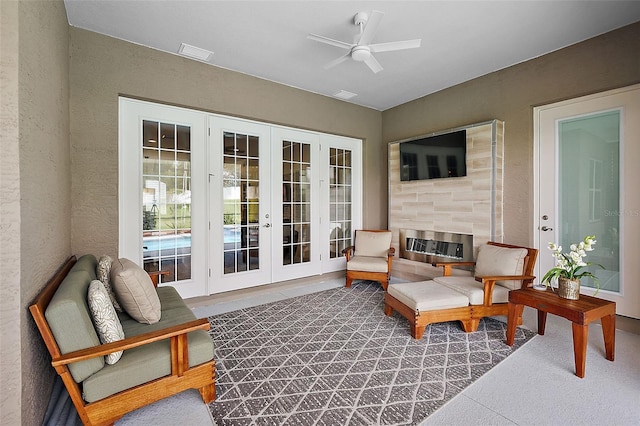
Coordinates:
534 386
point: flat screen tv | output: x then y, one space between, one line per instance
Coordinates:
434 157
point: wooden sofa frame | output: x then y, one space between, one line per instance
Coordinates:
381 277
107 410
469 316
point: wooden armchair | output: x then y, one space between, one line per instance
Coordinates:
499 268
370 257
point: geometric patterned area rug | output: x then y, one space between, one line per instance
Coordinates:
333 358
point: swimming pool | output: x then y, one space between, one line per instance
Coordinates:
152 246
166 242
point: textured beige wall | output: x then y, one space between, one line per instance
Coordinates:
605 62
103 68
35 192
10 381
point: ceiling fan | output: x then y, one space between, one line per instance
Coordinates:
362 50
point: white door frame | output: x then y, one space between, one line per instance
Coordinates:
131 115
627 100
218 280
314 265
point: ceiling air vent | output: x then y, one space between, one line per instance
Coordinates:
194 52
343 94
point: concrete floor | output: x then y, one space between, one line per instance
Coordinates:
534 386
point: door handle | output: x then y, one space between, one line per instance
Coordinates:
266 225
546 228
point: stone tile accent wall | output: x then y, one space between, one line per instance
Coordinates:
469 205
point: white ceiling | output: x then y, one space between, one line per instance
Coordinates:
461 40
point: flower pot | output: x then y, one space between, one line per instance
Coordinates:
568 289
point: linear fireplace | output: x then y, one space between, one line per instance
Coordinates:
432 246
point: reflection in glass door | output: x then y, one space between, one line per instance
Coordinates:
340 201
241 209
296 202
296 217
589 190
166 199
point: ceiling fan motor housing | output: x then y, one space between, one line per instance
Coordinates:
360 53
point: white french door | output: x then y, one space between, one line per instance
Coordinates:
282 202
222 204
240 222
162 192
587 153
295 213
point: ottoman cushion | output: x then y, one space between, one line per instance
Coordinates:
427 296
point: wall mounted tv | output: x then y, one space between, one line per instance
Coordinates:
434 157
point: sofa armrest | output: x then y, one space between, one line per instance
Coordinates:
348 252
506 278
177 334
448 266
489 283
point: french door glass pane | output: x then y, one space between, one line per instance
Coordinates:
240 202
296 202
340 202
166 199
589 193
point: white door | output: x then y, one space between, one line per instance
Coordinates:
587 153
162 192
341 197
295 212
240 228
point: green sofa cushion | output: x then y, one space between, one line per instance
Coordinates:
149 362
69 319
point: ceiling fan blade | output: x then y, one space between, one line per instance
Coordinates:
330 41
340 60
370 27
395 45
374 64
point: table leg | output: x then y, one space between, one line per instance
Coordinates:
609 333
580 338
515 312
542 321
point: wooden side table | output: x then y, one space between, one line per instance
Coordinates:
580 312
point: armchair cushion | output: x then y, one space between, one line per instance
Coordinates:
368 264
472 289
374 244
500 261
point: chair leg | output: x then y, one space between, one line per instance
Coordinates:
470 325
388 310
385 284
348 283
417 331
208 393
